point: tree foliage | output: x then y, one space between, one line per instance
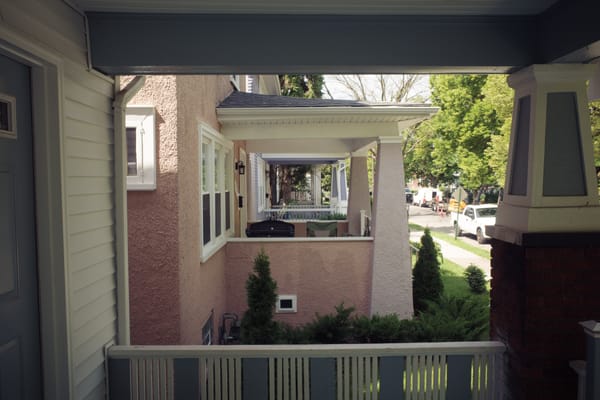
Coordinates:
469 134
427 278
258 326
307 86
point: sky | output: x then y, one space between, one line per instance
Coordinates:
338 91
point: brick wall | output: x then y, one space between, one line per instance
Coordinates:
540 293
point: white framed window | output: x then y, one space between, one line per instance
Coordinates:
141 148
216 183
8 116
287 303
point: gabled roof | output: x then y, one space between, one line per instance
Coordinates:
284 125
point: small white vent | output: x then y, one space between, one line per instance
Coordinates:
286 303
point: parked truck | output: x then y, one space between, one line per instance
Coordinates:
474 219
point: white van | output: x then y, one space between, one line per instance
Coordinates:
425 196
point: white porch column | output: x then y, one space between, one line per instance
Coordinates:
358 198
316 185
391 290
550 180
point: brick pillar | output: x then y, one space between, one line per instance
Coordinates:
541 290
546 246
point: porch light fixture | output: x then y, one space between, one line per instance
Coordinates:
240 167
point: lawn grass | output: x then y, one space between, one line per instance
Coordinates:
455 242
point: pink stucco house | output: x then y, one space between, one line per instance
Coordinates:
189 203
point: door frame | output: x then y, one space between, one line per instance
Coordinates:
50 218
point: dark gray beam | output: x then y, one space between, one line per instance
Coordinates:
570 32
151 43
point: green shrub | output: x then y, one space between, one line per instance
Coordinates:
334 216
331 328
455 319
476 279
427 278
257 325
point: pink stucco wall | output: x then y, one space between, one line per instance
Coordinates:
322 273
171 293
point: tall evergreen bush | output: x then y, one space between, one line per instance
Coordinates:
258 326
427 278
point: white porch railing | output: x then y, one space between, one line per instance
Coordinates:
298 211
465 370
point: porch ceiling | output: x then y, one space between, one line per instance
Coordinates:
401 7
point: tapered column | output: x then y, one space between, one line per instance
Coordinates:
359 198
546 242
391 290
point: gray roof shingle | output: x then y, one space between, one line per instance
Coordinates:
252 100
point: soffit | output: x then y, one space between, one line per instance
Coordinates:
339 7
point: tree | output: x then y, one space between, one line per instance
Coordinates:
293 177
595 121
307 86
427 278
258 326
468 135
382 88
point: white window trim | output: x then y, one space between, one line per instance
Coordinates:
142 119
214 139
11 102
291 297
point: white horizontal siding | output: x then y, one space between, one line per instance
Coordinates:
50 22
89 184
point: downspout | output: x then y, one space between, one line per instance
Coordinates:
122 97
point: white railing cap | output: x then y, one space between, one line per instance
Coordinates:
591 328
316 350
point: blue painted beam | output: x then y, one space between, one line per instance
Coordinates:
391 378
255 378
569 32
459 377
323 379
186 376
119 379
155 43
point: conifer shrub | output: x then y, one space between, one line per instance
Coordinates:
476 279
257 325
331 328
427 278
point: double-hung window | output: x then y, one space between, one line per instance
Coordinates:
141 154
216 183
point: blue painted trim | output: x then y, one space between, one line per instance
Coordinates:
168 43
186 376
323 379
459 377
391 382
255 378
592 368
119 379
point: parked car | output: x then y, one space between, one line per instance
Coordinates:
425 197
474 219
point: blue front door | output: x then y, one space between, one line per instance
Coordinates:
20 368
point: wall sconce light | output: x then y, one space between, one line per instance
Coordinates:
240 167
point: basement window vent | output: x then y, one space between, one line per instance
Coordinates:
286 303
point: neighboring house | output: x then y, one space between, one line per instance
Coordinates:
182 204
63 169
187 197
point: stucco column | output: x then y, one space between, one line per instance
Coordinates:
358 198
546 242
316 185
391 290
